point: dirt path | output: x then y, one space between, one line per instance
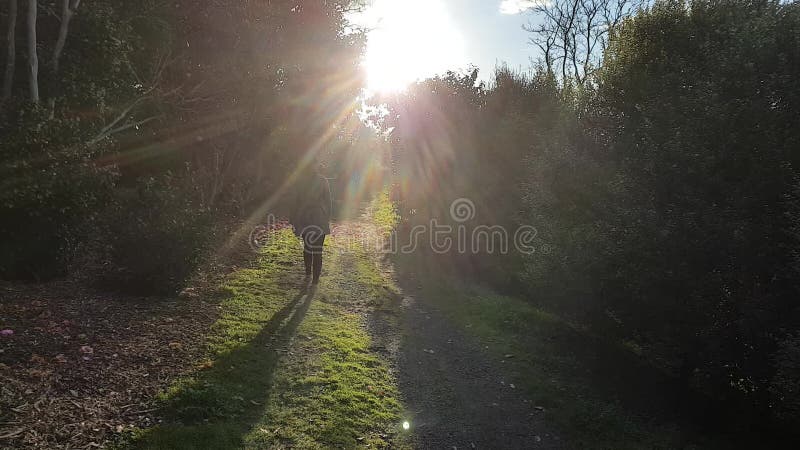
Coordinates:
456 395
459 396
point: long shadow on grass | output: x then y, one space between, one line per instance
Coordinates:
218 406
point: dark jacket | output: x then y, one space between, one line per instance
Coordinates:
312 207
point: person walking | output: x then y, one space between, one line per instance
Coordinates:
311 219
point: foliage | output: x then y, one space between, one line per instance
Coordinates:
49 200
54 182
699 117
785 384
238 93
663 188
52 188
157 238
263 92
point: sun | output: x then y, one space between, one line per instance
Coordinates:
409 40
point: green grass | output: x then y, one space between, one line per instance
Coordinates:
333 383
383 212
284 371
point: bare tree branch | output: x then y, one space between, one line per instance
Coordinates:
126 119
574 33
119 118
112 131
568 29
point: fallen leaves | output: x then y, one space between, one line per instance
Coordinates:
205 365
37 373
189 293
49 402
12 433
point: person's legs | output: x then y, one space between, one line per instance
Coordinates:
308 255
317 245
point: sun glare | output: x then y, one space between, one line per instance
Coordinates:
409 40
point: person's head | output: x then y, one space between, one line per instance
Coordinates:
308 171
320 167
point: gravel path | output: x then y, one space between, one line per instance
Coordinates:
457 396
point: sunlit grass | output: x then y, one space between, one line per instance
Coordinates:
283 371
383 212
334 392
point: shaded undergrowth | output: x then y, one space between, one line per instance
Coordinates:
599 394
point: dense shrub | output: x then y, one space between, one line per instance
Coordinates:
238 91
699 102
50 194
158 237
785 384
663 188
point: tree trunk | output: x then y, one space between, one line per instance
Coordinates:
67 11
33 57
11 53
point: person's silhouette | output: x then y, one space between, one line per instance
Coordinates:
311 219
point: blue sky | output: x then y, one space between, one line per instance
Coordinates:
491 36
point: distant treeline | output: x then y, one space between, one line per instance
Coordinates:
662 180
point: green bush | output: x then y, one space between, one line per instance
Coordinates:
785 384
700 104
663 190
158 235
50 192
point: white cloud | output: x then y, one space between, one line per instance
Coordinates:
518 6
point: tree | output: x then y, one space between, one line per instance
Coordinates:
68 8
572 34
33 55
700 115
11 52
162 115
